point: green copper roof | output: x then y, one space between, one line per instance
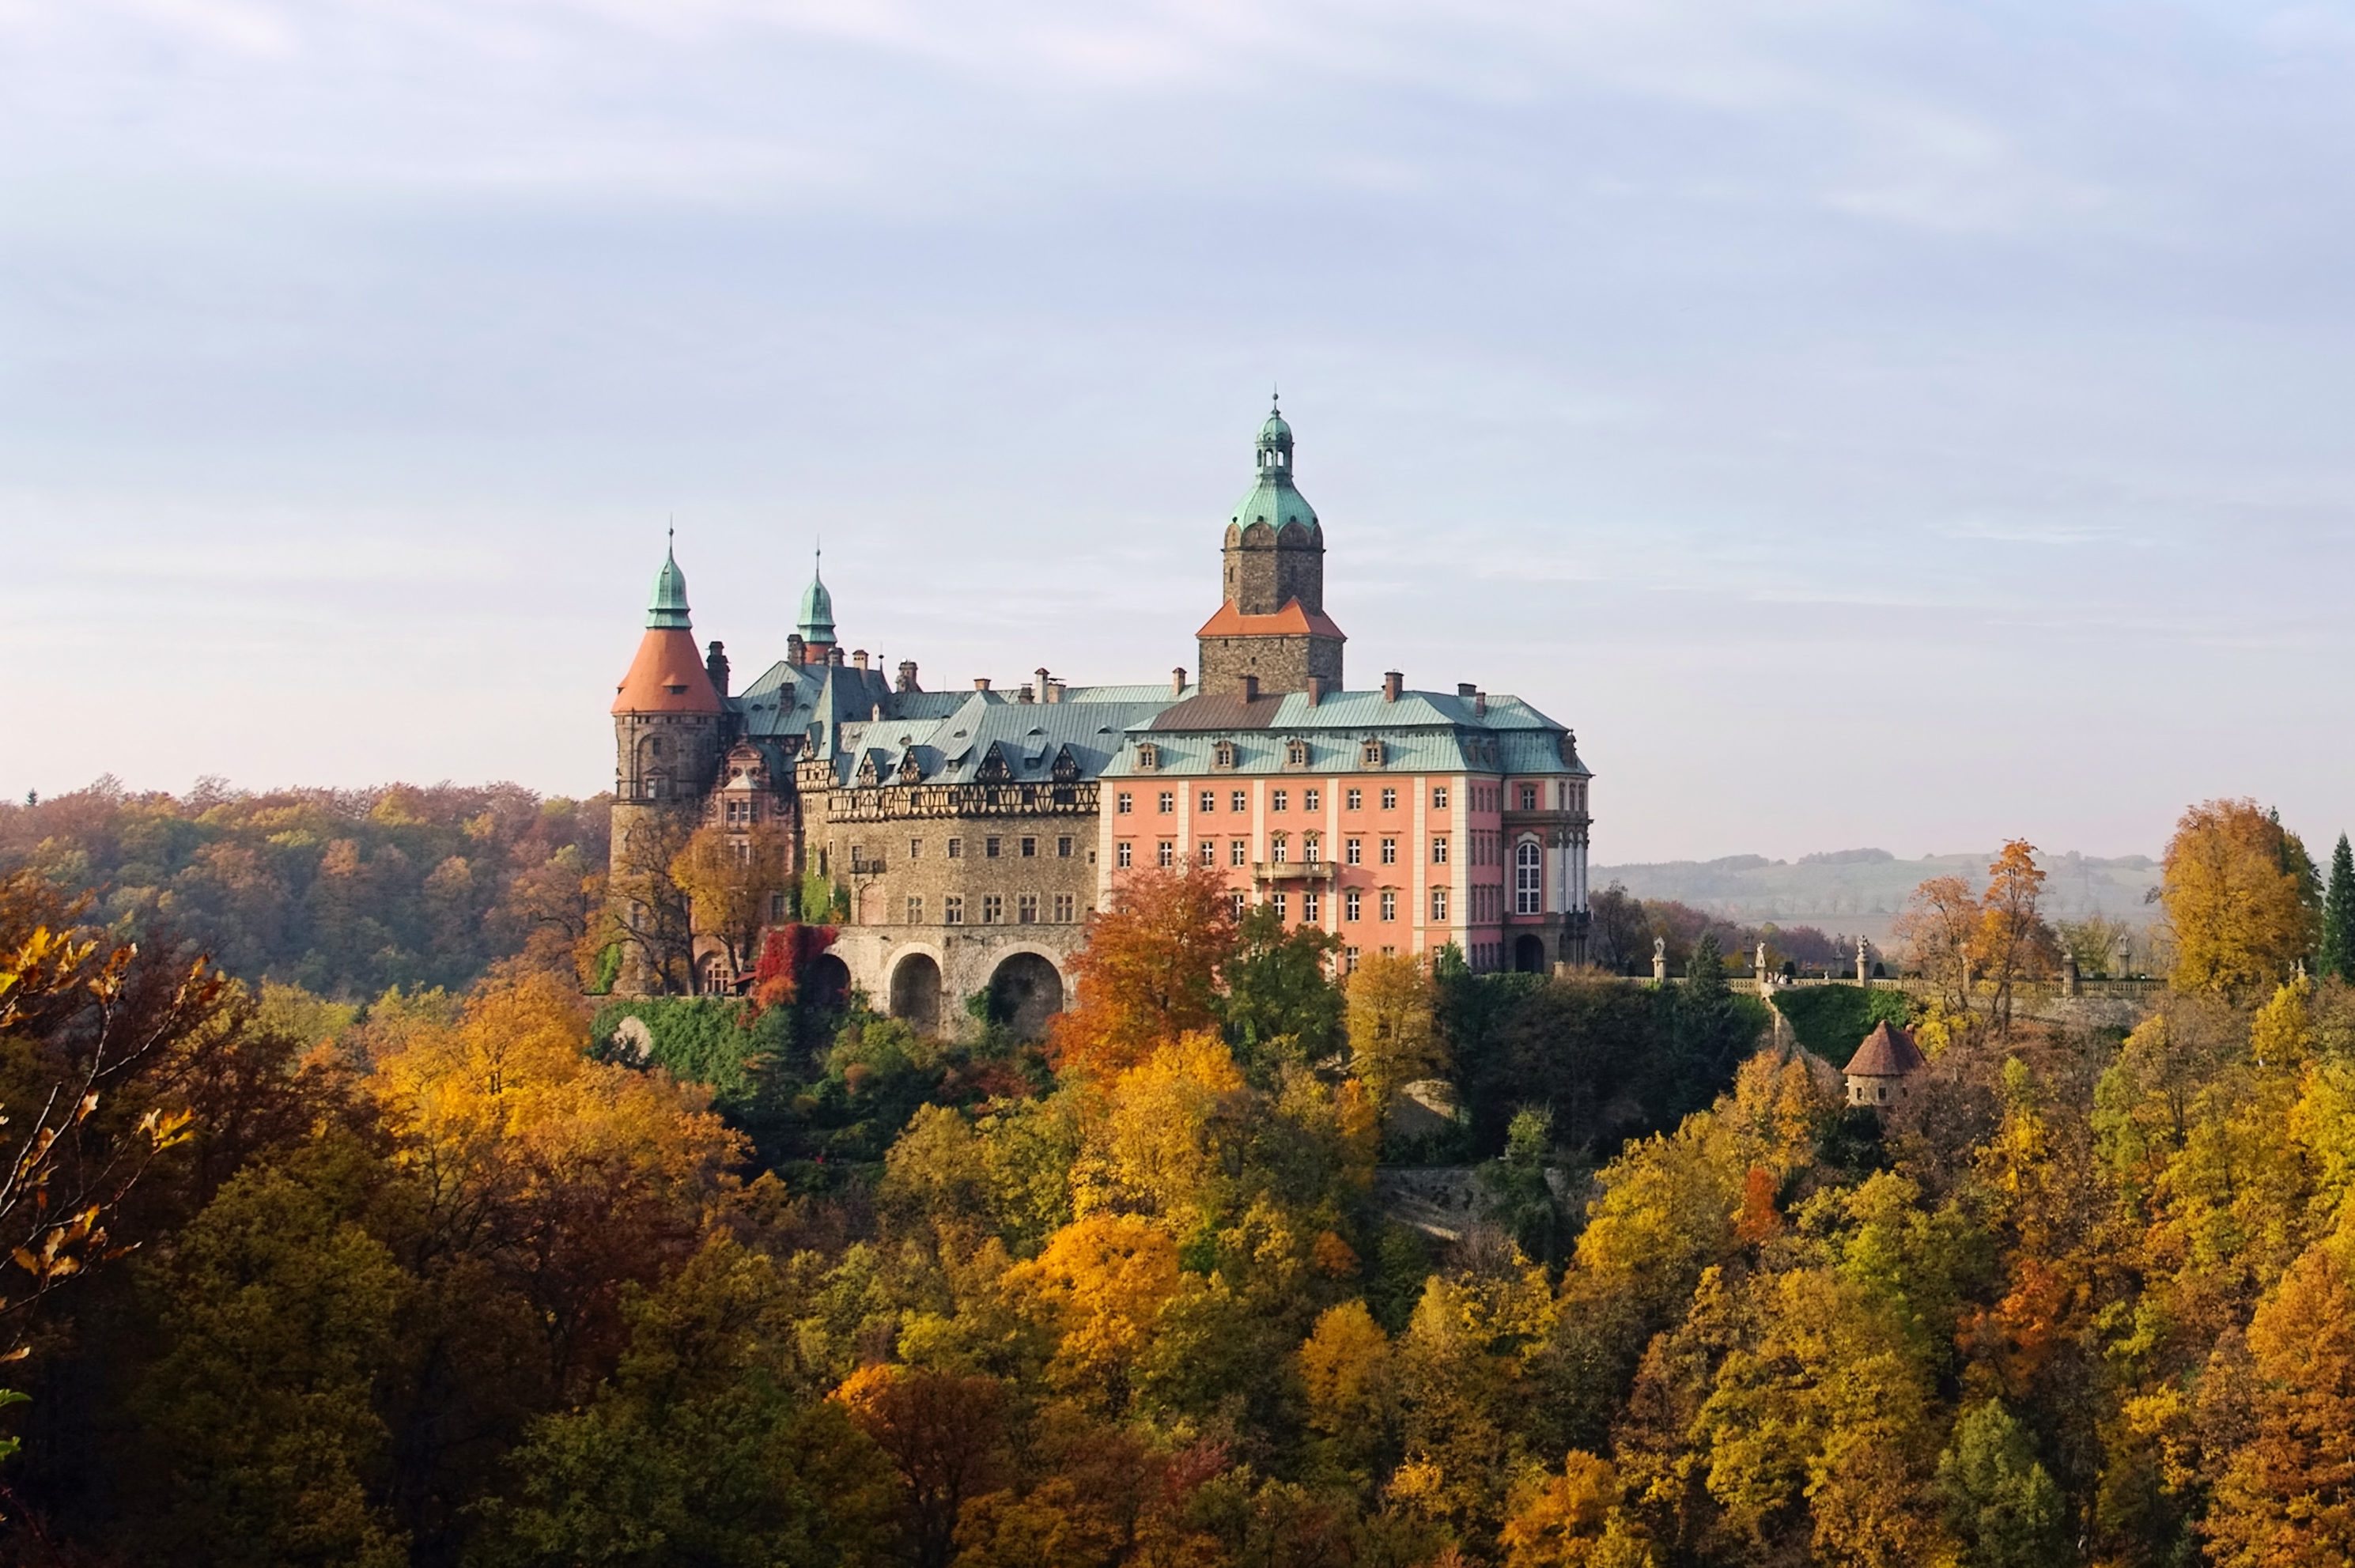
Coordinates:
1271 498
816 623
668 608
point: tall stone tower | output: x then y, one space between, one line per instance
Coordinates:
668 739
1270 632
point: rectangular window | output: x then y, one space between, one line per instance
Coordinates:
1235 905
1354 799
1389 952
1239 801
1063 847
1279 849
1026 908
915 849
1279 800
1064 903
1210 800
1030 849
1390 906
915 912
957 848
1312 800
1353 905
1167 802
1353 851
1122 804
1389 851
1439 797
993 908
1312 907
1238 853
1120 854
1166 853
1348 961
1390 800
989 848
776 908
1439 851
1282 907
1206 851
953 911
1439 903
1529 797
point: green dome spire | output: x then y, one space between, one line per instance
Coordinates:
667 610
1272 499
817 607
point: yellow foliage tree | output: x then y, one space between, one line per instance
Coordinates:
2236 900
1393 1040
1099 1289
1573 1520
729 876
1156 1146
1346 1372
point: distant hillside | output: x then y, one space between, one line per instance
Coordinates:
1862 890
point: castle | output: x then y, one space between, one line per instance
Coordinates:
961 838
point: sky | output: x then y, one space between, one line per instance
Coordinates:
1865 423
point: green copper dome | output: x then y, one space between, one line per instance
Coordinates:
816 620
667 610
1271 498
1275 432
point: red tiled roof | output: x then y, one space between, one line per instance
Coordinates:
667 677
1886 1053
1292 621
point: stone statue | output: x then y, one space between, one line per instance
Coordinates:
1659 960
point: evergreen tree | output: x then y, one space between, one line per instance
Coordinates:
2338 955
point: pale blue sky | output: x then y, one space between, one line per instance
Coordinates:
1865 423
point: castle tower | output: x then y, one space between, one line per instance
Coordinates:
1270 632
667 722
814 629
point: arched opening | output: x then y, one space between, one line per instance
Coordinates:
826 982
1529 954
1024 993
916 992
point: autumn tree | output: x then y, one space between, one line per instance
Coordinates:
2011 943
1150 972
1938 924
2234 893
731 877
1393 1040
944 1435
2287 1493
2337 953
648 916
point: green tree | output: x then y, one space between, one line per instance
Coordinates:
2338 954
1999 1499
1281 1003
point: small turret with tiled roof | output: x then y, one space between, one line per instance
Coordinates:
1878 1071
814 626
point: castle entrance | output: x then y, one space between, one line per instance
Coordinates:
1529 954
1025 992
916 992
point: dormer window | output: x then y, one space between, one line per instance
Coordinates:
1149 755
1295 754
1370 754
1225 754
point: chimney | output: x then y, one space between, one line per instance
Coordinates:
1178 681
1480 705
794 652
876 714
1250 688
1315 689
714 665
858 657
1044 695
908 676
981 683
1026 693
1463 689
833 658
1055 691
1393 683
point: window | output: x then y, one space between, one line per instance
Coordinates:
1026 908
989 848
953 911
1296 754
1064 903
1239 801
1278 851
1353 905
1210 800
743 852
957 848
915 912
1348 961
1312 849
1238 853
1122 804
1206 851
1312 800
1353 851
1529 876
1278 800
1224 755
1390 906
1439 903
1166 853
1371 754
1166 801
993 908
1311 908
1063 847
776 908
1389 851
1439 797
1390 800
1439 851
1529 797
1235 905
1282 906
1354 800
915 849
1120 855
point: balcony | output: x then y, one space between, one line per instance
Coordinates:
1295 870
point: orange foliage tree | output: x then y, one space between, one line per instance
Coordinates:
1150 972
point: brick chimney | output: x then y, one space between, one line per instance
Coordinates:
1178 681
714 665
795 650
1393 683
1465 688
1480 705
833 657
858 657
908 676
1315 689
981 683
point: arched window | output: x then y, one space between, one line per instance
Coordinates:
1529 878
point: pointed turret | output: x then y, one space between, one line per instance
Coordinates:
814 626
668 675
1272 626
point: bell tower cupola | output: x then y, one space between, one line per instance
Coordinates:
815 627
1271 625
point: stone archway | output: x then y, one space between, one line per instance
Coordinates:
1529 954
1024 991
916 992
825 984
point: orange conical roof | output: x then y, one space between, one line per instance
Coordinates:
1886 1053
667 677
